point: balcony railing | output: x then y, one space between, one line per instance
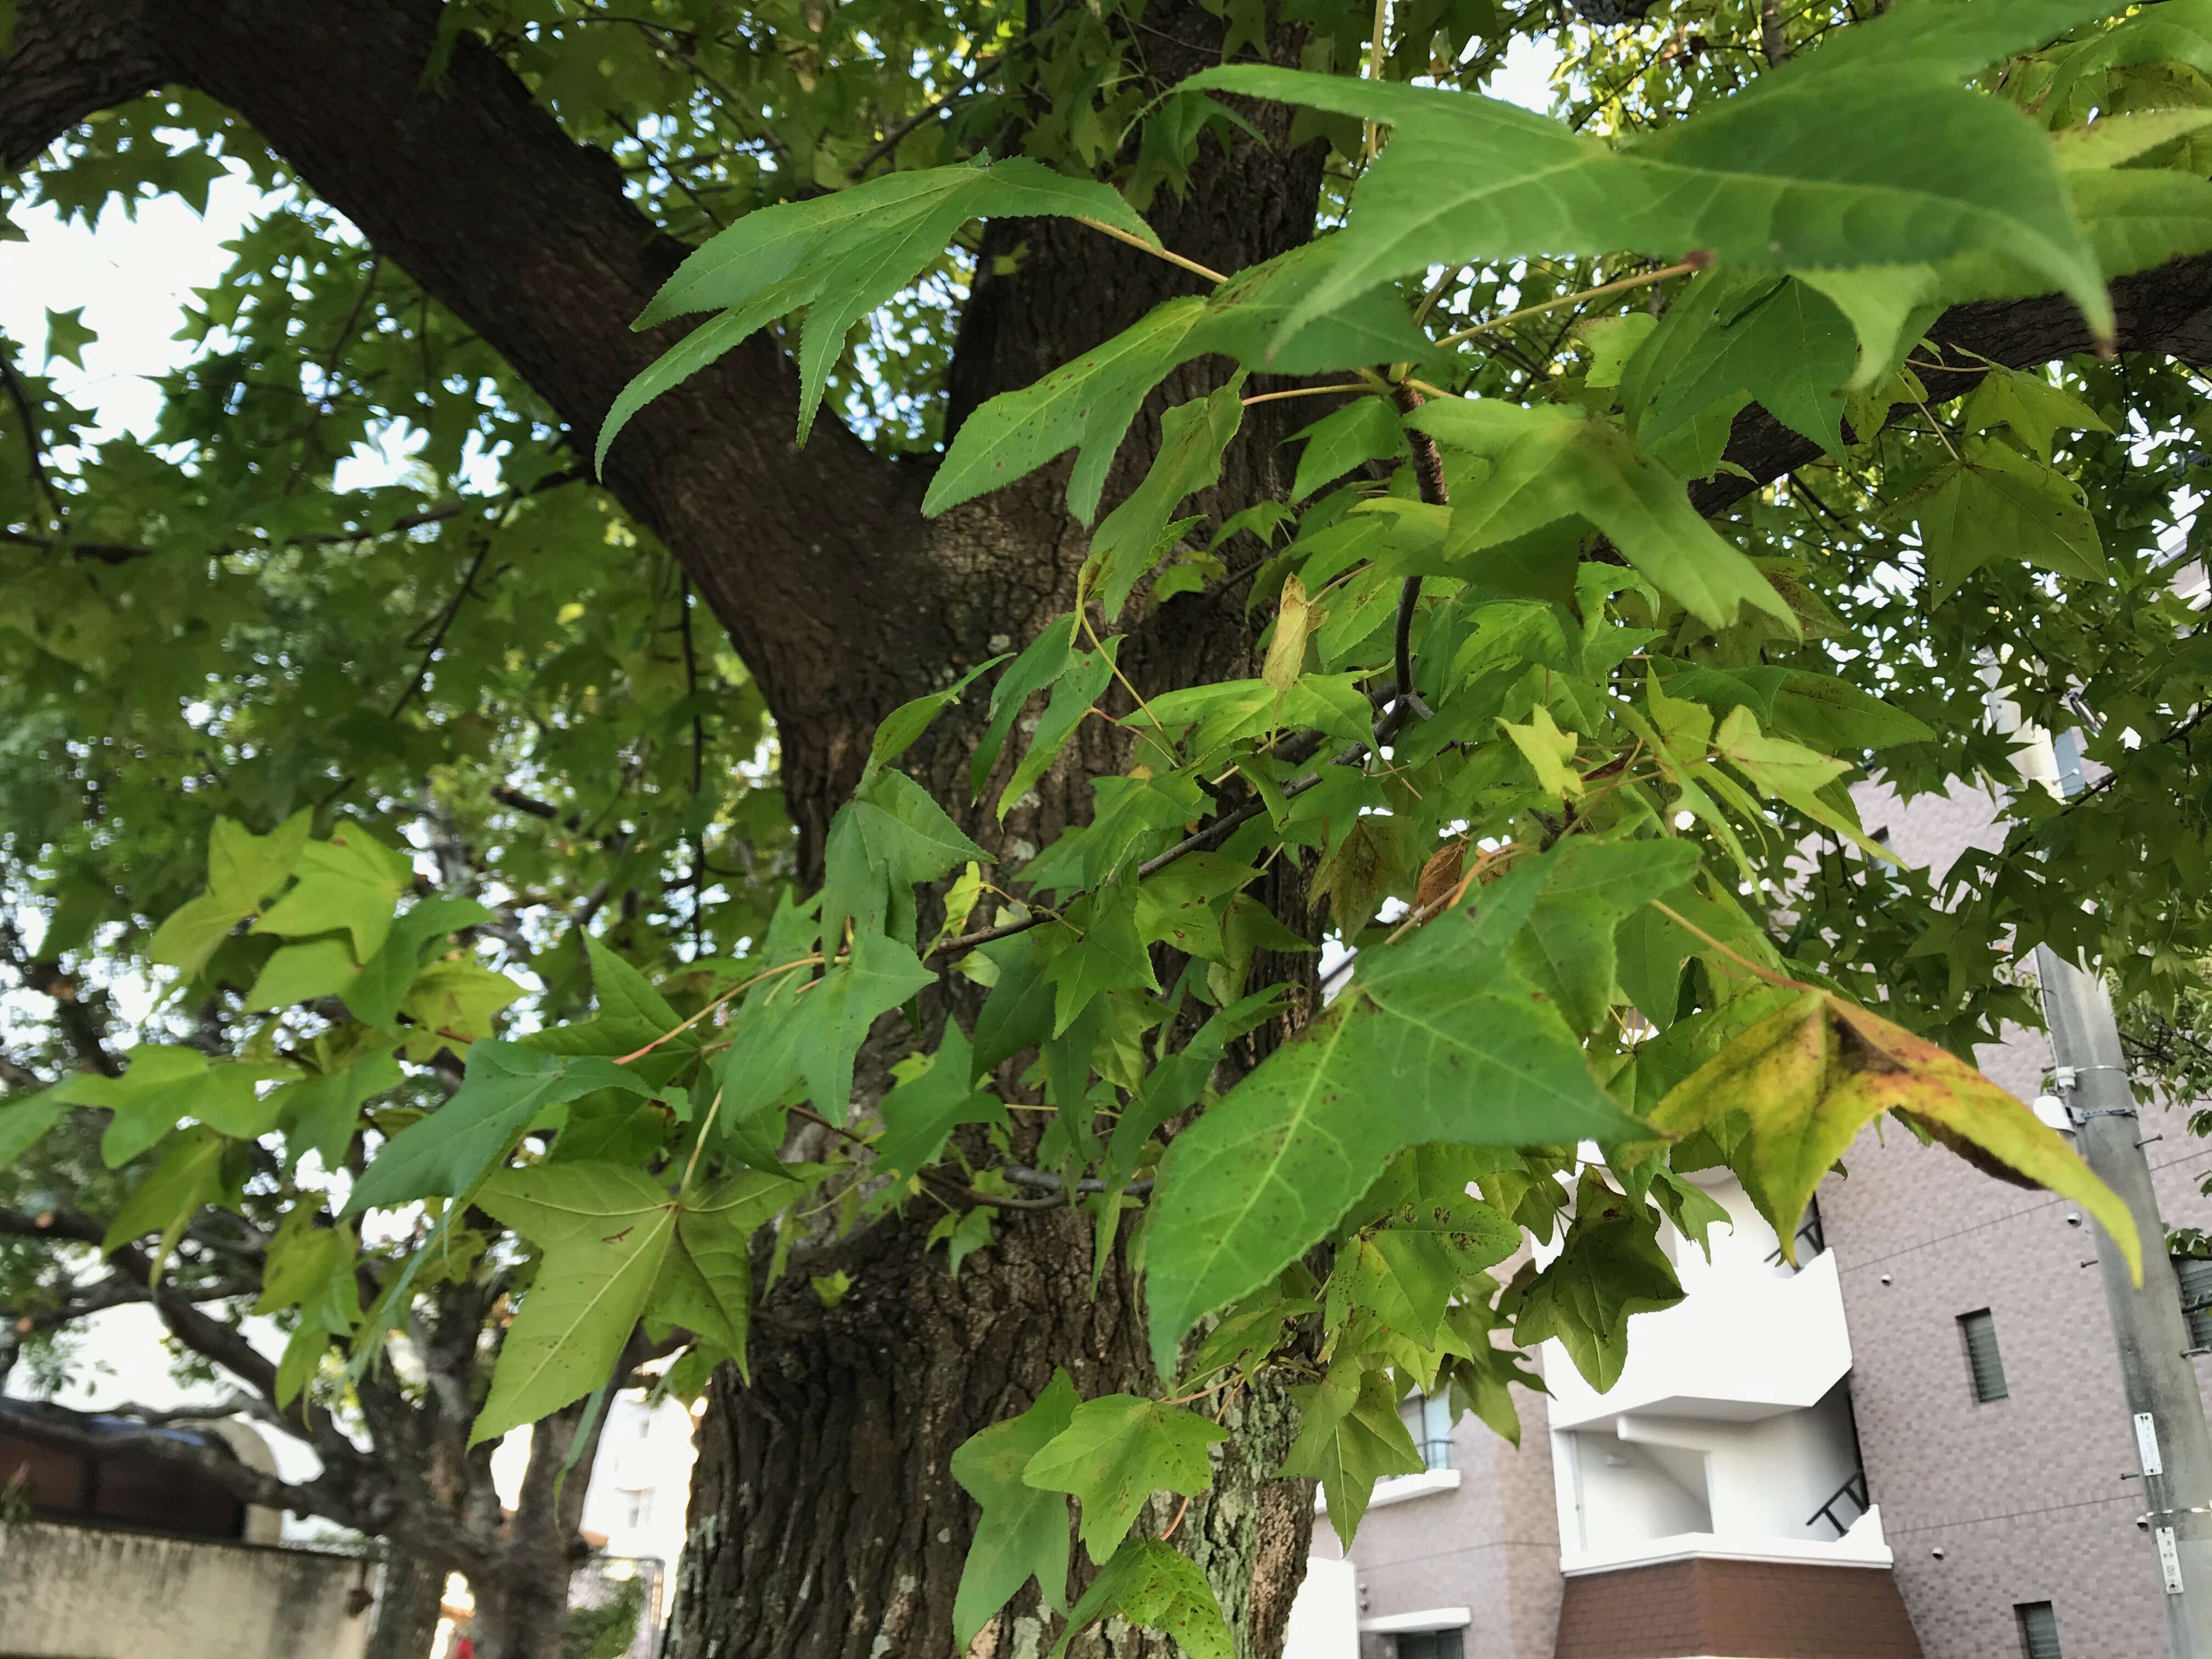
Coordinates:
1810 1240
1437 1453
1853 1492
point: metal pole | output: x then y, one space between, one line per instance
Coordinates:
2148 1327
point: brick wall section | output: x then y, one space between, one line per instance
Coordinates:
1492 1546
2024 1496
1678 1609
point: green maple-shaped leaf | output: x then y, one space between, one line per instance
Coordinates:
67 335
1117 1451
1078 685
1149 1583
1088 405
840 257
319 1114
1042 661
1421 1239
1127 546
1568 950
1549 752
454 1003
1774 338
1442 1027
920 1114
1024 1530
243 870
604 1233
899 730
1994 503
706 1284
1546 463
503 1090
835 1012
1364 429
301 1261
1350 1435
631 1014
162 1086
1860 157
1611 1267
2034 409
306 972
351 882
187 1178
374 993
1106 954
24 1123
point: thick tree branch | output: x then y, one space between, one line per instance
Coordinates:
71 59
2166 312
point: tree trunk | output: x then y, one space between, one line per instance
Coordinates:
522 1593
825 1520
410 1589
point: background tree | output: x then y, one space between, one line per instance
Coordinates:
199 632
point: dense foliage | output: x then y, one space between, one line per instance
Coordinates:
1565 762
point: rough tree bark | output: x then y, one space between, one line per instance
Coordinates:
411 1590
825 1525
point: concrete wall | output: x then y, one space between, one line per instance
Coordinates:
77 1593
2024 1496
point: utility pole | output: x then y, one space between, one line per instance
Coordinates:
2149 1327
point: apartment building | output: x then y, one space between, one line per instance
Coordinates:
1913 1446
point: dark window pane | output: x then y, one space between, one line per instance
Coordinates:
2039 1630
2195 1273
1983 1363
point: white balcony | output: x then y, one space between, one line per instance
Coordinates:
1752 1338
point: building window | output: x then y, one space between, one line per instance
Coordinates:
2039 1630
1983 1364
640 1507
2195 1274
1440 1645
1428 1422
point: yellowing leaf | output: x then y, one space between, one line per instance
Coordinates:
350 882
1810 1077
1548 750
1295 621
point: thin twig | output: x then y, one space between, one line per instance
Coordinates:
980 72
345 328
1152 248
742 985
1306 391
1686 268
438 635
1205 841
698 765
20 395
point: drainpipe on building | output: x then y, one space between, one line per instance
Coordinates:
2148 1327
